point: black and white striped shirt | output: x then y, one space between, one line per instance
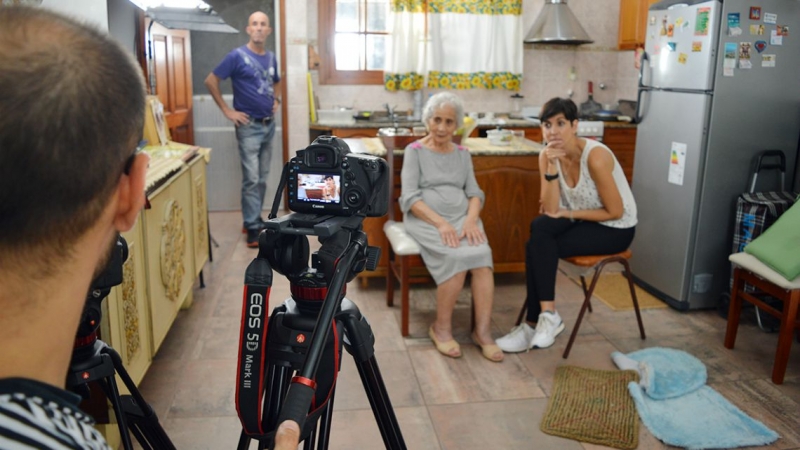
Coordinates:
34 415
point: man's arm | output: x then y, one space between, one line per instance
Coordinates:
212 83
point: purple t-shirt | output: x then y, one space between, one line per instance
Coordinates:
252 76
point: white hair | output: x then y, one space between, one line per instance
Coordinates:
437 101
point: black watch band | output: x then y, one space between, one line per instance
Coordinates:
549 177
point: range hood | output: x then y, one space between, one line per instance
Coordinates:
557 25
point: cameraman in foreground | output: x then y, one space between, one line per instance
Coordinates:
71 113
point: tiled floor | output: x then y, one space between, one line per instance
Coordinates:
444 403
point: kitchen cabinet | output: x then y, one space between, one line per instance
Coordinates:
622 141
632 23
354 132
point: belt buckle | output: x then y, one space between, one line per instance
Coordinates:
266 120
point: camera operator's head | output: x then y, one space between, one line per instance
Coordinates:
71 115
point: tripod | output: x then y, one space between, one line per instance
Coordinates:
94 360
317 308
99 362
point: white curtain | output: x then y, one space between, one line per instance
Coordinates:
471 44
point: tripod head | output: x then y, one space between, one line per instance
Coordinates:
284 245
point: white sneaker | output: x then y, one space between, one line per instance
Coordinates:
549 326
518 340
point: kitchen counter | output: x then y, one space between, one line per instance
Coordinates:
476 146
506 123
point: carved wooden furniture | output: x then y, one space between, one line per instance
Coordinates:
748 269
596 262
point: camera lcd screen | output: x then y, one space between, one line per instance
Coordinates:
319 188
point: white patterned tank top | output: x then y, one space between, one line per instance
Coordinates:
585 195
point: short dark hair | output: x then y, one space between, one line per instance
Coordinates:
71 112
558 105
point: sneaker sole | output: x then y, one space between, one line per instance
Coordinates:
558 331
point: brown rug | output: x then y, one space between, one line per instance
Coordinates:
612 289
593 406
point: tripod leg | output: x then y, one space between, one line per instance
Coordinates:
140 415
325 424
361 346
109 385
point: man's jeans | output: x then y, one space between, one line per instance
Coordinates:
255 151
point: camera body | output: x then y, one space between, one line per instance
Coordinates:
326 179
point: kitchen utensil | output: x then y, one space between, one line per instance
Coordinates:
590 106
499 137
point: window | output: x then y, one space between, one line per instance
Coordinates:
352 41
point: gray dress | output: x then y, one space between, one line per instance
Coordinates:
445 182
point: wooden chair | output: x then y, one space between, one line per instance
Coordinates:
748 269
597 262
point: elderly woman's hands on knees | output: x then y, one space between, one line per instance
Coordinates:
473 232
449 234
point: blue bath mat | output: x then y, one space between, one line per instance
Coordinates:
688 413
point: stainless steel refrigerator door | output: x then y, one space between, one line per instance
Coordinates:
666 211
681 44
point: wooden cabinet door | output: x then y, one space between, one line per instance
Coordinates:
172 72
622 141
354 132
633 23
629 16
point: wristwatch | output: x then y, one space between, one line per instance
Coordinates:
549 177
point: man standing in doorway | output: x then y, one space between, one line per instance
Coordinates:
253 71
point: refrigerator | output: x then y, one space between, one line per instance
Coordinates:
713 93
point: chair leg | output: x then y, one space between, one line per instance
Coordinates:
583 285
522 312
785 335
628 275
404 268
735 309
584 307
390 279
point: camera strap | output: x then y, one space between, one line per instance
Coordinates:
250 374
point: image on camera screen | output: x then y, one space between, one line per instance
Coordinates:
319 188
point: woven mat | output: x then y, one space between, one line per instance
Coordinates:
612 289
593 406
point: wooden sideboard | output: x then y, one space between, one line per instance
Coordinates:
167 249
511 185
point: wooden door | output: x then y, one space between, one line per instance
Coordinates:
171 67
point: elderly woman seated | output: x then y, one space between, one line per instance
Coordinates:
442 202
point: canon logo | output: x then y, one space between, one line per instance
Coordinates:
318 206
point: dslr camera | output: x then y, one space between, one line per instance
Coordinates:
326 179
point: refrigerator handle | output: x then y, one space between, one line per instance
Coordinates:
644 63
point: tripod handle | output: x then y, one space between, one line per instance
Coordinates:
299 396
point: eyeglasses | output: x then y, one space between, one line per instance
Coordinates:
129 161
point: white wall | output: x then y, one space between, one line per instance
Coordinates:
92 11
